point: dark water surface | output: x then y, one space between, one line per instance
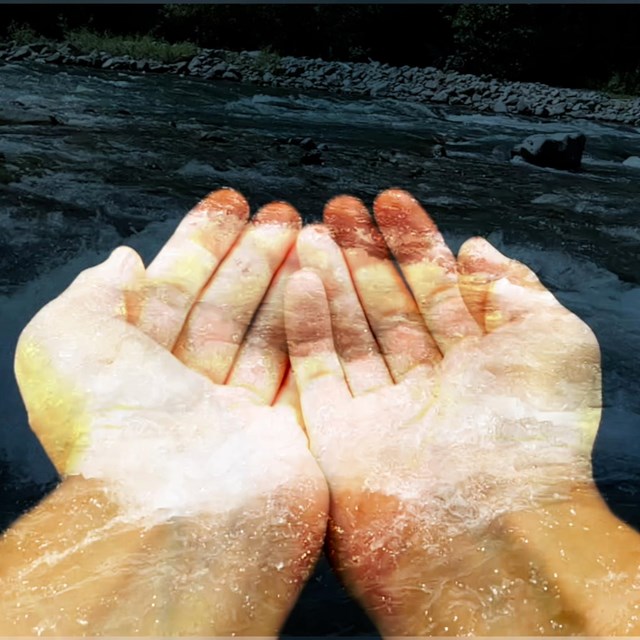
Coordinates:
92 160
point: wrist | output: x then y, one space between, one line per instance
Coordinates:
581 561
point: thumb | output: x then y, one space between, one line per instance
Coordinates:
496 289
108 288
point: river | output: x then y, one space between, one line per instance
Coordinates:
92 159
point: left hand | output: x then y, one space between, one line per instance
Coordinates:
152 386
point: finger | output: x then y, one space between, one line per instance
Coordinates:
186 262
388 304
262 359
355 344
219 320
496 289
318 373
428 266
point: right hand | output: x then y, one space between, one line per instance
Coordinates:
434 409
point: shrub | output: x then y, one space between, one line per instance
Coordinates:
21 33
137 47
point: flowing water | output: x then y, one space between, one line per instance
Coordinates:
90 160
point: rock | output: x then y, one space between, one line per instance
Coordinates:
307 144
194 64
211 136
216 71
439 151
632 161
69 49
54 57
40 47
502 153
181 67
378 88
21 53
111 63
88 60
313 157
557 109
500 107
55 121
231 74
156 67
388 156
441 96
559 151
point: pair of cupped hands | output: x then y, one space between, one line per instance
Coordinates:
260 388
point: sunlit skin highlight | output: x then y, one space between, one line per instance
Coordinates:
452 417
476 404
187 507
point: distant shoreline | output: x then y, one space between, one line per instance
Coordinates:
481 94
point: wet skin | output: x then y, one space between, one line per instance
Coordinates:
459 400
453 421
190 503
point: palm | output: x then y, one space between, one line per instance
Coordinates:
479 396
162 435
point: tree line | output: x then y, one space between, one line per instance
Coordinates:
570 45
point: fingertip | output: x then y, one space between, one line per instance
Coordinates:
225 200
472 257
403 220
278 212
125 263
352 227
311 237
305 283
344 208
393 201
478 248
317 229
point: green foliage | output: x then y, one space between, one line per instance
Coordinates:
268 60
199 23
21 33
138 47
571 45
624 83
490 39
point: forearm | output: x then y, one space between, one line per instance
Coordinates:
76 565
64 565
583 554
569 567
563 568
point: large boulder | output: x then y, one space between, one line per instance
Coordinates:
559 150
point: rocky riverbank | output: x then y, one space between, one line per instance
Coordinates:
427 85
